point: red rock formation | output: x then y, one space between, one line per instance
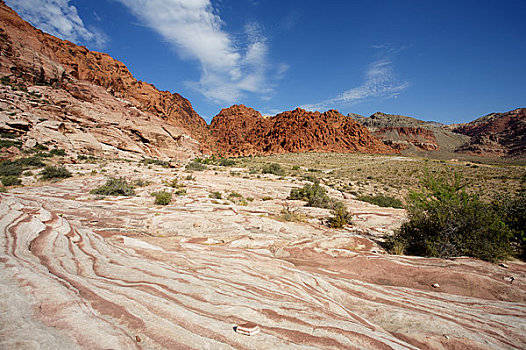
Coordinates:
239 130
497 134
30 54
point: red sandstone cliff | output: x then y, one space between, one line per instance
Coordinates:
240 130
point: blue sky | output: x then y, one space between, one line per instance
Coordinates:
447 61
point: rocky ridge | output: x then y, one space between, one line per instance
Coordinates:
412 136
93 91
241 131
497 134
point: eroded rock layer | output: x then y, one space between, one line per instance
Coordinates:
497 134
239 130
183 276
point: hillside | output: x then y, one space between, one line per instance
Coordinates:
497 134
412 136
239 130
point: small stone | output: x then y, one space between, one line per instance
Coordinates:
138 339
509 279
196 224
247 329
503 265
446 336
436 285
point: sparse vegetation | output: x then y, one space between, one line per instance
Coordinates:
115 187
227 162
216 195
55 172
195 166
153 161
340 218
162 197
11 180
292 214
274 169
381 200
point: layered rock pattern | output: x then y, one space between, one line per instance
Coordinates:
83 273
497 134
239 130
412 136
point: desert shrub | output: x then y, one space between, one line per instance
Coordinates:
11 180
227 162
381 201
148 161
17 166
216 195
139 182
340 218
234 194
266 198
445 221
292 214
296 167
57 152
41 147
274 169
163 197
114 187
513 213
195 166
54 172
9 143
189 178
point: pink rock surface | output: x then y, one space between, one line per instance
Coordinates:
151 272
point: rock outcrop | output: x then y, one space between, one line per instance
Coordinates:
497 134
31 57
242 131
412 136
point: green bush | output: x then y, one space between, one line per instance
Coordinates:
513 213
11 180
340 218
445 221
53 172
9 143
381 201
17 166
195 166
115 187
274 169
57 152
148 161
216 195
227 162
163 197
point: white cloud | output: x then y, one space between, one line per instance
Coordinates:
379 83
58 18
229 67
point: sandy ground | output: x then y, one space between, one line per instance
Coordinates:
79 271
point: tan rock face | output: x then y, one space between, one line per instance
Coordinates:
239 130
34 56
421 138
497 134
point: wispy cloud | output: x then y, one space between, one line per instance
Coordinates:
230 67
58 18
380 83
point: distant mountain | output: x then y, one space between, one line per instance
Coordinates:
239 130
412 136
496 134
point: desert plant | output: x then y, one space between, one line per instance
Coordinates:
227 162
54 172
216 195
381 200
163 197
114 187
315 195
195 166
292 214
513 212
445 221
11 180
274 169
340 217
